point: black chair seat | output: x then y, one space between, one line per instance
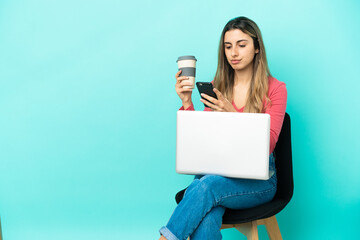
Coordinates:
236 216
285 184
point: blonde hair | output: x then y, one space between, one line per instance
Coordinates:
224 77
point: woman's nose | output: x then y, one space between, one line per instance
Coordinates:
234 52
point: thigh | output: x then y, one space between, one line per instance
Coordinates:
239 193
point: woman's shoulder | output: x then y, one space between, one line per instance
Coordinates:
275 85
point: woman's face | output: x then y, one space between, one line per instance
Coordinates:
239 49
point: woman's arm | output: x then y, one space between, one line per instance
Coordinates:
278 97
183 92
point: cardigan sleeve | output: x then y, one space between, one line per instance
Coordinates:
276 109
191 108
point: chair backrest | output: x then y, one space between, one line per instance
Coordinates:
283 162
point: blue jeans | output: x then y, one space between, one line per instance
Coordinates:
199 214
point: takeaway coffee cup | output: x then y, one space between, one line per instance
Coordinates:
187 65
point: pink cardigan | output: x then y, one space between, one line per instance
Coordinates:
278 96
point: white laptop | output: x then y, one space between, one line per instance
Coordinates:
223 143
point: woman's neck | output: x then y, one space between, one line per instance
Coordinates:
243 76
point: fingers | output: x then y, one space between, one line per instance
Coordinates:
181 90
211 105
182 86
185 83
180 83
215 104
177 74
179 79
218 94
211 99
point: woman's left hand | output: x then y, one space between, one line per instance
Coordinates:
218 105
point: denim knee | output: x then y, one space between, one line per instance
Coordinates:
206 188
193 184
203 189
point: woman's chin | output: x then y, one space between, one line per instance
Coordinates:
240 67
237 67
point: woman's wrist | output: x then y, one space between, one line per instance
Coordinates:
187 104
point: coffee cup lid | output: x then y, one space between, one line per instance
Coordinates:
188 57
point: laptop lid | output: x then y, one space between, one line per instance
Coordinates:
223 143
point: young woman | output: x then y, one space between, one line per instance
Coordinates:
242 83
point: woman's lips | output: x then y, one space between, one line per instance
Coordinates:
235 61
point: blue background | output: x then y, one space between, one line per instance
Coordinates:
88 112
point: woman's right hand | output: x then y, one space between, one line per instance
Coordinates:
184 93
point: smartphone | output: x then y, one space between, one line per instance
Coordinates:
207 88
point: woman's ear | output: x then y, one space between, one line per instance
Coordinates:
256 51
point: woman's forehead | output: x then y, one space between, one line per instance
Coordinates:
235 35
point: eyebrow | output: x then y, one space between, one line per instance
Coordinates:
236 41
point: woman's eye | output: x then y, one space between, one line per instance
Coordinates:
227 47
242 45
